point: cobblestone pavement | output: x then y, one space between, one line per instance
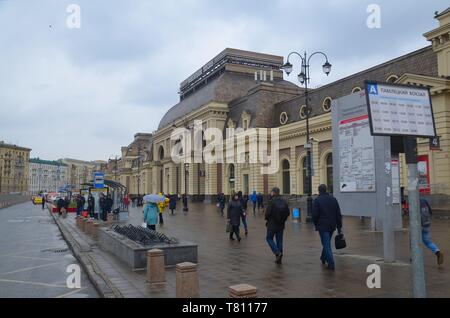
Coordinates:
34 257
223 263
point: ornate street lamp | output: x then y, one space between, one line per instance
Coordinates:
304 79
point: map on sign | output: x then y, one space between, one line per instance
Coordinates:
399 110
357 156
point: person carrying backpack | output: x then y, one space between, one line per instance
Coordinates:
277 213
426 213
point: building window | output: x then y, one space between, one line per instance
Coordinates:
284 118
327 104
329 172
286 177
232 178
161 153
356 90
392 79
303 112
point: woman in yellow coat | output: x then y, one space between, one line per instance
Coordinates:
162 206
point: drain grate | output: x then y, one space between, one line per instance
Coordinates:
56 250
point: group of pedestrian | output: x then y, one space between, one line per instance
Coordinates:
62 203
257 201
153 212
106 204
236 213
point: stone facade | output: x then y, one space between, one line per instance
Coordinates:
240 89
47 176
14 168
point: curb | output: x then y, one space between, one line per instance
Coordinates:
103 286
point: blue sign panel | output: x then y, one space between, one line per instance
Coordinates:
99 180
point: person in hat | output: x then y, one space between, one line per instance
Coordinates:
277 213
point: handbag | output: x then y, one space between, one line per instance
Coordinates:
340 242
228 228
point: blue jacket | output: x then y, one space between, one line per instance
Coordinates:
151 214
254 197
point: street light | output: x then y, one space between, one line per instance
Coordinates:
304 79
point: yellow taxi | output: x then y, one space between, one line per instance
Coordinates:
37 200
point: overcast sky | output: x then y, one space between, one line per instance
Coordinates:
83 93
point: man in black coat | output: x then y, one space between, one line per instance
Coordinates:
277 213
91 205
60 204
108 207
327 218
235 213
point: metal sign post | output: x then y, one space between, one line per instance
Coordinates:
401 110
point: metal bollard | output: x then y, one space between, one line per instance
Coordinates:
187 280
156 271
243 291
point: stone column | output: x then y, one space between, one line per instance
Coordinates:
243 291
187 280
155 266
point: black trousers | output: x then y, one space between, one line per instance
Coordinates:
151 227
234 230
161 220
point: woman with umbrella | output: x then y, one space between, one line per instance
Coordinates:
151 210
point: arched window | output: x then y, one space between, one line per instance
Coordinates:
329 172
286 166
305 174
161 153
232 178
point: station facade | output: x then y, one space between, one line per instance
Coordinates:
241 89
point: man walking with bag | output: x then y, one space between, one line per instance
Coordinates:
327 218
277 213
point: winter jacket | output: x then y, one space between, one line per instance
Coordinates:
235 212
277 213
326 213
254 197
425 213
173 202
151 214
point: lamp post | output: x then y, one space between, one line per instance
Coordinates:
304 79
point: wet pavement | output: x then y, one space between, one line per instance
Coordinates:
223 263
34 257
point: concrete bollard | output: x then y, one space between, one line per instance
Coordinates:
187 280
243 291
78 221
95 229
156 271
83 224
89 227
110 218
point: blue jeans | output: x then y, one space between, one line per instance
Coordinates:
426 238
277 248
244 221
327 252
79 210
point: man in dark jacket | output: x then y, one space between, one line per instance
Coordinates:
108 207
235 212
277 213
60 204
91 205
244 200
173 202
326 217
426 215
80 205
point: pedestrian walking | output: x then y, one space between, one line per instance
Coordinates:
162 207
234 215
327 218
43 201
108 206
60 205
80 205
277 213
260 199
91 205
254 199
222 203
102 205
244 201
151 215
426 216
173 202
126 201
184 198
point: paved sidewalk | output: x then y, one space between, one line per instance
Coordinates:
223 263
